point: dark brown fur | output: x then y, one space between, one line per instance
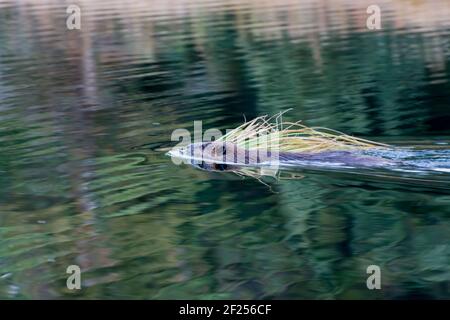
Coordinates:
220 155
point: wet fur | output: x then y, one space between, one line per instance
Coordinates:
223 155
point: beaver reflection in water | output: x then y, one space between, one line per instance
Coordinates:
223 156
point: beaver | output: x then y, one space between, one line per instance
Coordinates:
223 156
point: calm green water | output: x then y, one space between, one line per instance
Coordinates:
86 117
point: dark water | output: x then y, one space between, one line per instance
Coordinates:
86 117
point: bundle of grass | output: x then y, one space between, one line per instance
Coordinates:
293 137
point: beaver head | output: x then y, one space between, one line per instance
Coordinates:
219 155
